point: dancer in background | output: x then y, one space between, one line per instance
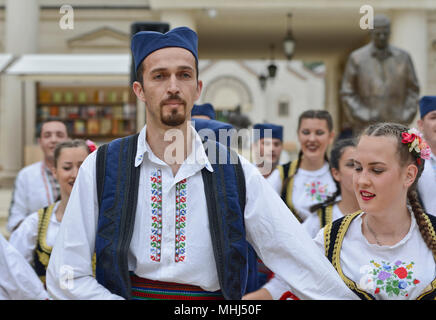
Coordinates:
307 180
343 201
36 235
35 186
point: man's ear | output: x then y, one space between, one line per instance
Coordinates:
139 91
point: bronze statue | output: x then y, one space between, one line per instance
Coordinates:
379 82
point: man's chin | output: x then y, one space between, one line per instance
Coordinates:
174 121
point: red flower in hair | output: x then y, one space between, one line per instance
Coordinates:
91 146
408 137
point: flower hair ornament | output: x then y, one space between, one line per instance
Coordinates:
91 146
417 146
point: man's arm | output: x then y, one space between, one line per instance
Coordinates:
18 280
284 246
69 273
18 209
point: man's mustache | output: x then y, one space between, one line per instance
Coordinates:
172 99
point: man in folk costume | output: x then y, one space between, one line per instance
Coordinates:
35 186
267 149
427 126
155 232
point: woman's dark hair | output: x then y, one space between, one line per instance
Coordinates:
405 157
316 114
336 153
68 144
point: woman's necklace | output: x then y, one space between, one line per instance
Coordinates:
372 232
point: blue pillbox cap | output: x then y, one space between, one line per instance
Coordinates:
146 42
277 131
203 110
426 105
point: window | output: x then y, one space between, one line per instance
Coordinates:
283 108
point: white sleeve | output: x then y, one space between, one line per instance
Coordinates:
18 280
69 272
276 287
24 238
319 240
18 209
284 246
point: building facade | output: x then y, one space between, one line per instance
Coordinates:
52 56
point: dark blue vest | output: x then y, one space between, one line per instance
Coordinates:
117 189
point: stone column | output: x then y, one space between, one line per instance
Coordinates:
21 30
178 18
409 32
332 86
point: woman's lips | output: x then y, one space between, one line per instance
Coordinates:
366 196
312 147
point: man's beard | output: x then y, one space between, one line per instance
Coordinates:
174 118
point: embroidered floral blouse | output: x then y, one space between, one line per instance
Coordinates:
401 271
311 187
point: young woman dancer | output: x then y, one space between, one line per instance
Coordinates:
387 250
35 237
343 201
307 180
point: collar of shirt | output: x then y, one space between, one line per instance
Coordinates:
197 159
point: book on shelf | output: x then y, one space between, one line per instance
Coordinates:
79 127
91 111
117 112
93 126
54 111
105 126
44 112
98 96
44 96
113 97
69 97
63 112
82 97
57 97
73 112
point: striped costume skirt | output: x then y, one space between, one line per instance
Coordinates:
145 289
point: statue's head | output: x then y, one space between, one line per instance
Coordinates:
381 32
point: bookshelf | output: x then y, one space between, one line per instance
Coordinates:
99 113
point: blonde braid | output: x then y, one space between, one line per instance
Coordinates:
424 228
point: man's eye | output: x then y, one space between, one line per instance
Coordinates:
358 169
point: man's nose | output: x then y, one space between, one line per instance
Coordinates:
173 85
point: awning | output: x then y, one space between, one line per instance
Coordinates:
5 59
71 64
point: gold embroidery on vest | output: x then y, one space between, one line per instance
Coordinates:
328 215
44 216
289 189
337 253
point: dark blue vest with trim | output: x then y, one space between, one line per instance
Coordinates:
117 190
